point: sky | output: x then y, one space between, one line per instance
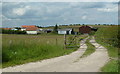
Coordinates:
50 13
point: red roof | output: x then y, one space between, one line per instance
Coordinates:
25 26
6 28
31 28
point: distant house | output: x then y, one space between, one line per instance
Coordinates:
65 31
6 28
14 29
32 30
48 30
85 29
23 27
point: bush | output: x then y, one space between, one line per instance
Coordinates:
13 32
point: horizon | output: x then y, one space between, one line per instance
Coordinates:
68 25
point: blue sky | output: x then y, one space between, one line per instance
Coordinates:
50 13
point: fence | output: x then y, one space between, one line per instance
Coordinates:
71 42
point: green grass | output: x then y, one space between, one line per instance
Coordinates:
108 37
112 51
20 49
90 49
111 66
74 42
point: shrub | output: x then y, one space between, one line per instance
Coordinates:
13 32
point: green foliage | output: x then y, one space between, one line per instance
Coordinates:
109 38
111 66
73 41
19 49
55 29
90 49
108 35
13 32
92 33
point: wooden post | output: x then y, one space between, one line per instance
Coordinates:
64 41
56 41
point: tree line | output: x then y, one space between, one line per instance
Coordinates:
3 31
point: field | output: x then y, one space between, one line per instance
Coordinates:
109 37
19 49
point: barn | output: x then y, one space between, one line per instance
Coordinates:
85 29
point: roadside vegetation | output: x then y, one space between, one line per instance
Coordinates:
12 32
90 48
20 49
73 41
108 37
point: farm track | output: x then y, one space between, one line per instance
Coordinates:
68 63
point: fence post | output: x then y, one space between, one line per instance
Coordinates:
64 41
56 41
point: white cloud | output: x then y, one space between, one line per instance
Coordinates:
110 7
20 11
84 17
58 12
60 0
115 9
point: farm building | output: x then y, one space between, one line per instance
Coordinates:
65 31
85 29
23 27
48 30
31 29
14 29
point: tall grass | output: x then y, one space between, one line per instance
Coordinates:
19 49
108 37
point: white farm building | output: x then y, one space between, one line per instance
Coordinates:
65 31
32 30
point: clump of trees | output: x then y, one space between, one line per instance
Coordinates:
55 29
13 32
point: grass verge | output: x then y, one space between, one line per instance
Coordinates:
111 66
20 49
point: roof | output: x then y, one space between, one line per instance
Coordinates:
85 26
31 28
6 28
25 26
67 29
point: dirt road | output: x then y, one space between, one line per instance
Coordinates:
68 63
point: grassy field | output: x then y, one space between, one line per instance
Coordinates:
19 49
90 49
108 37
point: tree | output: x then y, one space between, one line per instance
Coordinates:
55 29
